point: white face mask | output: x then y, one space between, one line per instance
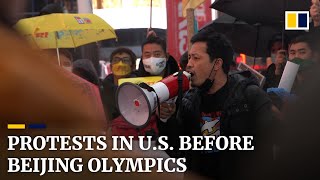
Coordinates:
68 68
273 57
154 65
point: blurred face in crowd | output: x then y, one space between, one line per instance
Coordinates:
121 64
276 47
199 64
153 58
300 50
66 62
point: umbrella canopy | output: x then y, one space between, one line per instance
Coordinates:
245 38
249 39
260 11
64 30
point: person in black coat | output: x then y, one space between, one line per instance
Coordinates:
221 104
278 46
123 64
156 62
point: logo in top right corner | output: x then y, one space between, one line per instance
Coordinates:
297 20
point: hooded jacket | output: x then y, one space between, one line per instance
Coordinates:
85 69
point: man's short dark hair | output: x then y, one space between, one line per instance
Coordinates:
155 40
304 39
121 50
218 46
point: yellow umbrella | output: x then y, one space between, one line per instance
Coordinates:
56 31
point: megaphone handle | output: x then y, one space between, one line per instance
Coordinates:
150 89
180 94
180 88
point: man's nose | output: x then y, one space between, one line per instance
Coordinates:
189 65
188 68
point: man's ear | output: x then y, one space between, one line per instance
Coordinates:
218 64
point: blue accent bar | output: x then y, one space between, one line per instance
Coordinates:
37 126
302 20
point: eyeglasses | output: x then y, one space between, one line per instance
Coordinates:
125 60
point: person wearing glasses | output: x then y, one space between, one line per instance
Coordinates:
123 64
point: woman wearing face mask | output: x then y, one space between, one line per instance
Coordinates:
123 63
276 61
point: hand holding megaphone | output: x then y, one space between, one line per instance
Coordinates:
137 103
167 109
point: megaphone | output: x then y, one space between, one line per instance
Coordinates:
137 103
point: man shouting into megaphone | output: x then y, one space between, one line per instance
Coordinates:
221 104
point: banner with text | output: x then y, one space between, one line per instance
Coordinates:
177 25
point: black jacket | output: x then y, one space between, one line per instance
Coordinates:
110 90
247 111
